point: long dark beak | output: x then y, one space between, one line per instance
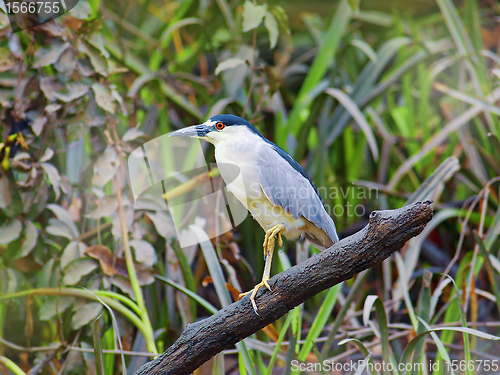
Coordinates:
196 131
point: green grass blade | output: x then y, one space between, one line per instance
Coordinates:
405 357
435 181
278 343
219 281
409 306
320 65
320 358
382 324
363 365
365 48
116 330
320 321
245 355
218 367
455 26
423 306
467 98
464 324
363 350
494 230
492 274
356 114
362 87
213 265
165 36
76 292
203 302
292 343
411 345
187 274
375 17
11 366
325 351
99 363
415 246
125 300
226 11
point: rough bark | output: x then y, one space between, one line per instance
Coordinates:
386 232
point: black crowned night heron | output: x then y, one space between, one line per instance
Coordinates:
271 185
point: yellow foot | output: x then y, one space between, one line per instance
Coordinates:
269 239
254 293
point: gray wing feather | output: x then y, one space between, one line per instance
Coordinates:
288 188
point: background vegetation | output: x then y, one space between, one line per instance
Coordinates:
384 103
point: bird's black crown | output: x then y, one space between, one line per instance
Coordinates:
233 120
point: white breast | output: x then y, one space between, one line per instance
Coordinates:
231 151
242 181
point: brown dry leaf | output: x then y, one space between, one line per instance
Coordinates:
72 22
112 265
311 358
24 362
234 292
207 280
26 265
490 37
74 208
271 331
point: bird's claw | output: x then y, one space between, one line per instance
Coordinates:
270 239
269 242
254 293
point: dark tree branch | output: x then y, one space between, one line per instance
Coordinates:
386 233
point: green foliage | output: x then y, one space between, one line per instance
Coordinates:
382 104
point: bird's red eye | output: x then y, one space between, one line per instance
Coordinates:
219 125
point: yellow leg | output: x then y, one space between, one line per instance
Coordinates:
269 242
